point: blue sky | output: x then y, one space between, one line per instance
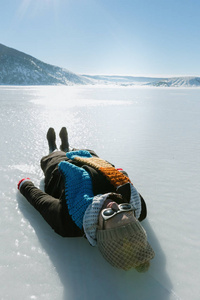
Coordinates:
124 37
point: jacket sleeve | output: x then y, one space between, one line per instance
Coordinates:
35 196
53 210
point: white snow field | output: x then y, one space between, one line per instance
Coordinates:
153 134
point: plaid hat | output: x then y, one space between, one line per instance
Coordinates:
125 247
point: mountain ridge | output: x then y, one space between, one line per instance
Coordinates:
182 81
19 68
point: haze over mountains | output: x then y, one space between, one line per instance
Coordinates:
18 68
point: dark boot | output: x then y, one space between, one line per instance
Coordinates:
51 137
64 140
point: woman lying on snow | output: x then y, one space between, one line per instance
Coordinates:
87 196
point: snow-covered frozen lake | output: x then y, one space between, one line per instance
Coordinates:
153 134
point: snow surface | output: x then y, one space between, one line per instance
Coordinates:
153 133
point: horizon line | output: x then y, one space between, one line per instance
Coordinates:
138 75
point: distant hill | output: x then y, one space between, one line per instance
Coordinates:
187 81
18 68
145 81
122 80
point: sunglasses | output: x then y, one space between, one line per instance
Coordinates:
108 213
